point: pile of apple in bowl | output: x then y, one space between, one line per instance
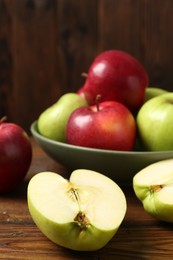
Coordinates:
114 130
114 124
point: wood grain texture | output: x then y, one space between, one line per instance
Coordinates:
46 45
139 237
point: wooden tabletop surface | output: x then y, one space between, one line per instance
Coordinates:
139 237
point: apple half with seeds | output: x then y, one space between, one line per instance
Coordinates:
153 186
82 213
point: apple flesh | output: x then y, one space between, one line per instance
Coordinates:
153 186
155 123
82 213
118 76
15 155
107 125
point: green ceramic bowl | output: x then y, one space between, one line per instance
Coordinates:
118 165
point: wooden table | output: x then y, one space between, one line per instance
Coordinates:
139 237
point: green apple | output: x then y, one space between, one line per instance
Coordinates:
52 122
82 213
152 92
155 123
153 186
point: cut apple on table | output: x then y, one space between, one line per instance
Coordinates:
153 186
82 213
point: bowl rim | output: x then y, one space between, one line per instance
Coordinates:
35 132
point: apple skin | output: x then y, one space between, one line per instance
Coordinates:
118 76
15 156
52 122
155 123
153 187
53 207
109 126
152 92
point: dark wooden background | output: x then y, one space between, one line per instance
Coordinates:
45 45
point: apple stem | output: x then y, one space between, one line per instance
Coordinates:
84 74
3 119
98 97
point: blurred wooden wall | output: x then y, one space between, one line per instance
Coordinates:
45 45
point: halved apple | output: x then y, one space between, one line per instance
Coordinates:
154 188
82 213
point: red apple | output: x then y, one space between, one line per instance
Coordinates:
118 76
15 155
108 125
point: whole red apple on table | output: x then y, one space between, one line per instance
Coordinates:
118 76
108 125
15 155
